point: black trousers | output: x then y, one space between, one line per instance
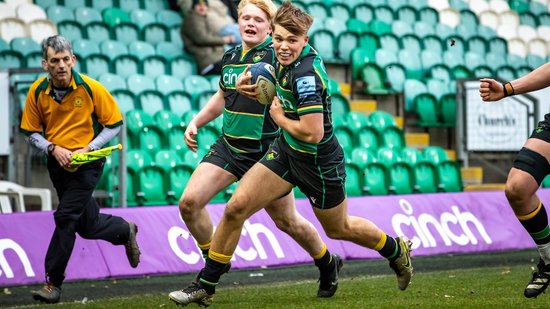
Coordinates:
78 213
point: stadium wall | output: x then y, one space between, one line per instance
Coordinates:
442 223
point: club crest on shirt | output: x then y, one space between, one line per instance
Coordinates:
78 102
271 155
284 81
259 55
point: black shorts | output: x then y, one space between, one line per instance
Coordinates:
235 163
542 131
321 180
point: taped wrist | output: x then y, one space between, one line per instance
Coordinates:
508 89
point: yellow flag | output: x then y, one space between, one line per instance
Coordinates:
87 157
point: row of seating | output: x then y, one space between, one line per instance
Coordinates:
126 5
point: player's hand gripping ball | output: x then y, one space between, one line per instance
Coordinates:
263 75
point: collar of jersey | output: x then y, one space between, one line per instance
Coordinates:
262 45
76 80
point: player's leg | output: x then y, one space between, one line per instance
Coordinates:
207 180
529 169
283 212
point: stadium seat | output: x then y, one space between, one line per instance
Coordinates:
436 87
375 179
359 57
125 99
150 188
375 80
384 13
396 76
354 178
113 49
154 5
151 139
112 82
166 120
483 71
324 43
154 66
389 41
176 180
433 43
97 32
168 50
381 120
425 106
412 63
169 18
339 10
363 12
179 102
401 28
407 14
449 176
95 65
431 61
125 32
544 19
387 156
183 66
176 139
429 15
168 83
141 49
12 27
192 158
154 33
345 138
447 108
361 156
71 29
24 45
188 116
318 10
357 25
10 59
368 138
379 27
167 159
345 43
195 85
29 12
86 15
84 48
59 13
138 83
425 178
411 42
393 137
506 73
113 16
151 101
137 159
401 178
136 121
339 104
125 66
175 36
410 155
434 154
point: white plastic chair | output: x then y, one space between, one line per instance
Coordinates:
527 33
537 47
479 6
6 10
12 27
29 12
44 194
449 17
499 6
439 5
489 19
40 29
517 47
507 32
509 18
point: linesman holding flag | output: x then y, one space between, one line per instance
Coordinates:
66 115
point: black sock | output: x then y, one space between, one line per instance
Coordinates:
325 263
211 274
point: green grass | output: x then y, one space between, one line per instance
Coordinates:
439 282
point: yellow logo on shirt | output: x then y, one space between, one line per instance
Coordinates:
78 102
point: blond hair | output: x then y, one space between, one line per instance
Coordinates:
265 5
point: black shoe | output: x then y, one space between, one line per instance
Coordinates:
132 248
194 293
540 281
328 283
49 294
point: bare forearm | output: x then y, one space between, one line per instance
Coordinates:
211 110
537 79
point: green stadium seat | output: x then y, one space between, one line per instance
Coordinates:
155 5
495 60
401 28
339 104
168 50
125 99
425 106
346 42
359 57
534 61
112 82
425 178
433 63
141 17
537 8
176 139
154 66
396 4
435 154
45 3
449 176
357 25
361 157
125 66
375 79
155 33
169 18
506 73
58 13
461 71
138 83
10 59
428 15
102 4
544 19
546 182
196 84
97 32
368 138
150 188
175 36
188 116
412 89
168 83
86 15
410 155
447 106
84 48
381 120
167 159
423 29
125 32
192 158
516 61
113 49
95 65
4 45
393 137
24 45
73 3
151 101
136 121
165 120
179 102
324 43
418 4
370 41
151 139
433 43
335 25
389 41
412 63
318 10
387 156
356 121
379 27
183 66
345 137
137 159
384 13
340 11
375 179
114 16
498 45
523 70
207 136
443 31
477 44
407 14
363 12
176 181
401 178
483 71
34 60
411 42
141 49
71 29
452 59
436 87
396 75
354 177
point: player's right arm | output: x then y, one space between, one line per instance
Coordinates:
492 90
212 110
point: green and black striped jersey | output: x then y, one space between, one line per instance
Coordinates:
247 125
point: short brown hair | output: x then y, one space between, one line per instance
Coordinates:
267 6
293 19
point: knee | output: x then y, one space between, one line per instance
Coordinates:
236 209
189 206
335 233
515 192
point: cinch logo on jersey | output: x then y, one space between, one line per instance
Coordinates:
230 74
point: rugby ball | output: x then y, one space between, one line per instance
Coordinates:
263 75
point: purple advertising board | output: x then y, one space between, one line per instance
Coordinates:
443 223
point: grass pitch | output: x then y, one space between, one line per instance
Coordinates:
462 281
